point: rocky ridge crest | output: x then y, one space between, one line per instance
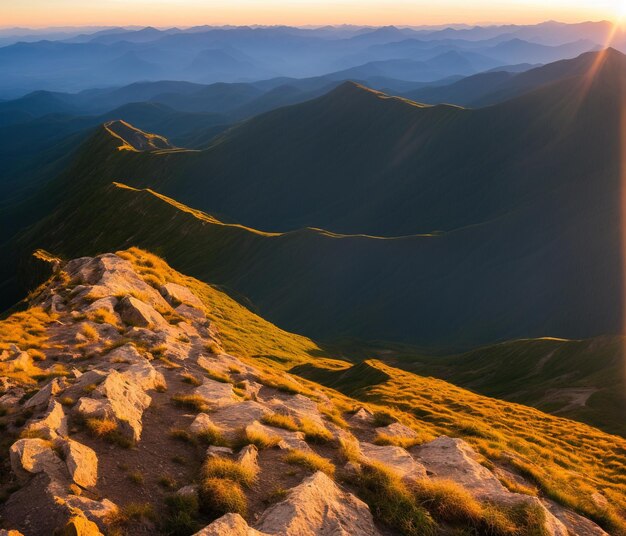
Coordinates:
142 403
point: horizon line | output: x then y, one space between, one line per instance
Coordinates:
300 26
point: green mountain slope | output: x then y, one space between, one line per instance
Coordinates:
503 216
578 379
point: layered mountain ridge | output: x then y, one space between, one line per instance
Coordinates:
488 202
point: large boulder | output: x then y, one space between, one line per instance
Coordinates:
248 458
395 458
234 417
145 376
449 458
117 398
318 507
298 406
229 525
52 424
453 459
42 397
110 275
79 525
33 455
176 294
201 423
137 313
217 394
397 430
82 463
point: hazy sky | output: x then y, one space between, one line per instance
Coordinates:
375 12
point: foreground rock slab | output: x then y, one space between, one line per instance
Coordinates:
318 507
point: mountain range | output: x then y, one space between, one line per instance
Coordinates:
113 57
316 269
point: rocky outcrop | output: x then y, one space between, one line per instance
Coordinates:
140 413
229 525
50 425
119 398
177 294
453 459
32 456
137 313
82 463
395 458
217 394
318 506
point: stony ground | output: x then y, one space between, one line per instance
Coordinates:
141 424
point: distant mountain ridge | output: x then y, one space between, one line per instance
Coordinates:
475 233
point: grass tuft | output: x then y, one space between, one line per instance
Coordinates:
310 461
194 402
225 468
220 496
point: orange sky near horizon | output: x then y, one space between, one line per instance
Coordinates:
166 13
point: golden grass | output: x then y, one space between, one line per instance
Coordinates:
392 501
211 435
194 402
313 432
566 460
398 441
191 379
333 415
220 496
225 468
280 421
101 427
103 316
259 438
310 461
218 376
89 332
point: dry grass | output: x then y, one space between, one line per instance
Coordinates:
310 461
313 432
564 459
349 450
193 402
26 329
191 379
132 514
280 421
37 355
333 415
218 376
259 438
213 347
392 502
220 496
136 477
225 468
101 427
89 332
398 441
211 435
180 434
108 429
103 316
